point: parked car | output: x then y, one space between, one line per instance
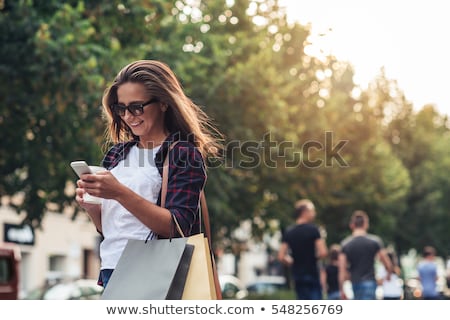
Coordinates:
82 289
266 285
232 287
9 271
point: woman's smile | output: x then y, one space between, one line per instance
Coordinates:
135 123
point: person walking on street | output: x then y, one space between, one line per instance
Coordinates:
330 273
147 112
306 246
358 254
392 289
428 274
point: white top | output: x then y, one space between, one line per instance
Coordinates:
392 287
139 173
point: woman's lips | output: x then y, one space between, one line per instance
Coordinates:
135 123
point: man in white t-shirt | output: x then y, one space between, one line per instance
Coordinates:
392 289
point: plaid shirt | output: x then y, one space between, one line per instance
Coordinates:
187 177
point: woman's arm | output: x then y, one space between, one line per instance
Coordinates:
94 211
186 180
96 216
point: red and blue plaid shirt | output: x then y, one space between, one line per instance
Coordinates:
186 179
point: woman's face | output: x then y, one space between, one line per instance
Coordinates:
149 125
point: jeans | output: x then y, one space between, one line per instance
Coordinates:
364 290
431 298
104 276
335 295
308 287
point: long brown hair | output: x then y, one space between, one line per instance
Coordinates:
182 116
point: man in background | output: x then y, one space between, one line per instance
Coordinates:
428 274
358 255
306 246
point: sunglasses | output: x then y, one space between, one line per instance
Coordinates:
136 109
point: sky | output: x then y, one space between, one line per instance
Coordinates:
408 38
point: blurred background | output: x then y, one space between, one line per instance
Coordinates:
265 71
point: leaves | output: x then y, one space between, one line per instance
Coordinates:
282 112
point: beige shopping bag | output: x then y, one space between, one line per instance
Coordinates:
200 280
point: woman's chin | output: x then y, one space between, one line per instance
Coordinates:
138 131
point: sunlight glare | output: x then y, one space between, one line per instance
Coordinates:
407 38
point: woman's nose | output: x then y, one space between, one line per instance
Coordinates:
127 114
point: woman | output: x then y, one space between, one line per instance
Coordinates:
392 288
329 274
147 111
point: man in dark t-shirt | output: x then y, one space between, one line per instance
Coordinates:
358 255
306 246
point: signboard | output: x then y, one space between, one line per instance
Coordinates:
20 234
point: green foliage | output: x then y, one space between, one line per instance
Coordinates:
278 295
423 148
249 70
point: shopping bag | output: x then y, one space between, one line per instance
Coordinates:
150 270
200 281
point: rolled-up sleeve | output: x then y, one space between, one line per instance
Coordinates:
187 177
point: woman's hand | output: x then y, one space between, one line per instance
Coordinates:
102 184
79 197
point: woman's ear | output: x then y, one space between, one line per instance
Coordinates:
164 107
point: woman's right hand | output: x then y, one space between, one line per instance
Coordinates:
90 207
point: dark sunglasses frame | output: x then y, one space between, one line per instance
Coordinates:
136 109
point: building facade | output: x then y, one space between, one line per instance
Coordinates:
61 249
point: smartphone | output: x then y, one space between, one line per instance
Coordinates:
80 167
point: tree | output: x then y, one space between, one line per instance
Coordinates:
283 113
56 58
423 148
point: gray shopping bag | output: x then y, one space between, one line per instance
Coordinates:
150 270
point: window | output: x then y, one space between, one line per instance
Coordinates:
57 263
